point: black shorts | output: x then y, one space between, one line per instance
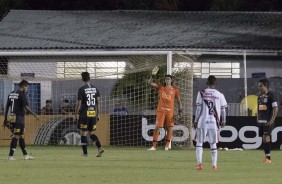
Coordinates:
87 124
265 130
19 125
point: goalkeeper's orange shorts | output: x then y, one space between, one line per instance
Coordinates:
164 118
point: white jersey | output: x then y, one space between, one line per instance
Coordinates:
211 102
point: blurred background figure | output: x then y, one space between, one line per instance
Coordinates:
120 109
47 109
65 107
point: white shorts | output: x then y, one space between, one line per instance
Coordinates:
206 135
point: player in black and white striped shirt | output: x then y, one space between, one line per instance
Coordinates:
210 115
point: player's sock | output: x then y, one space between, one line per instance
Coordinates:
13 146
267 148
155 138
95 139
168 138
22 145
199 153
213 154
84 144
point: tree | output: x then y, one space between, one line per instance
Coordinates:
223 5
250 5
4 7
168 5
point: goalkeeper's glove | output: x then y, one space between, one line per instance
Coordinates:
155 70
8 124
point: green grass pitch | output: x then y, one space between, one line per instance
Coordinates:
65 165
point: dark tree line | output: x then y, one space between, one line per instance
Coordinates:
168 5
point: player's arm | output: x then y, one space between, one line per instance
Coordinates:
78 103
29 110
98 107
77 107
223 111
273 115
198 109
179 103
6 111
223 117
151 80
274 111
197 115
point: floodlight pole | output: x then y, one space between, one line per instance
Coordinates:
169 63
245 82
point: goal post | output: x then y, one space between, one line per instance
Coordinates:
121 77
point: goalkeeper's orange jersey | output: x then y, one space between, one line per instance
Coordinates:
166 97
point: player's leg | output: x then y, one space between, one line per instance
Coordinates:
93 137
82 125
200 138
22 144
159 124
23 148
266 138
21 138
267 148
13 146
213 138
15 138
169 124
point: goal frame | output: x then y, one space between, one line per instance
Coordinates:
61 53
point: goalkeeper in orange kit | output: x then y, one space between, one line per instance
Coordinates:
165 110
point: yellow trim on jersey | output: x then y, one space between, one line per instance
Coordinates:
83 126
91 114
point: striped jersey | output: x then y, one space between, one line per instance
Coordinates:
211 101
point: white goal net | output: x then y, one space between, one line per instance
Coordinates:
128 103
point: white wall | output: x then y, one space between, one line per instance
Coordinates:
42 68
272 68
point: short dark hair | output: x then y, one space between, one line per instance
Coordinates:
85 76
264 82
169 76
211 80
23 83
48 101
66 101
